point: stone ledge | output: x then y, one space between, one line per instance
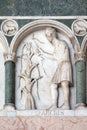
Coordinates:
53 113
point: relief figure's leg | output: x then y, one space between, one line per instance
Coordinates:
54 95
65 89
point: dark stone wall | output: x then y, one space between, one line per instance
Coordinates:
43 7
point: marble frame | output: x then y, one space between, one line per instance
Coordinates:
10 52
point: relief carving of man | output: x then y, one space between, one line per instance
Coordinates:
63 75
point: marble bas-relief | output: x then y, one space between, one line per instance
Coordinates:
9 27
43 67
79 27
27 68
62 76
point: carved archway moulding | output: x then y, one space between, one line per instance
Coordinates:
82 54
40 24
4 43
83 45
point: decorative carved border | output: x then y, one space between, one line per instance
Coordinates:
32 26
4 43
80 52
43 17
9 27
79 27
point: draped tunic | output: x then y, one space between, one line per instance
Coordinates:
63 71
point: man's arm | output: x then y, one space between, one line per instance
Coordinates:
47 54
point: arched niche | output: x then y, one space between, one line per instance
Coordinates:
40 24
4 49
33 31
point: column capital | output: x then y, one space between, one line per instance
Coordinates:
80 56
9 57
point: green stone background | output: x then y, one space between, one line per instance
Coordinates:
43 7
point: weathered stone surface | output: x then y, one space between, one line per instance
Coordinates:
43 123
43 7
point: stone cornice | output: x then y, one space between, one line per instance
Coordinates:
43 17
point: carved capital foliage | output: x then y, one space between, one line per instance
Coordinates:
80 56
9 57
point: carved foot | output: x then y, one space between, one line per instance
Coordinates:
53 107
65 107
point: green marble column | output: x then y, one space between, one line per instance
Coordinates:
9 83
80 82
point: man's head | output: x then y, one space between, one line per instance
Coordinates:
50 33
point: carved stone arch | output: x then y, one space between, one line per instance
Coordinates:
40 24
37 26
84 44
4 43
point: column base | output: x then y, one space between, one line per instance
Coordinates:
9 106
81 106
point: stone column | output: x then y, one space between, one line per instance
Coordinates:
80 64
9 81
